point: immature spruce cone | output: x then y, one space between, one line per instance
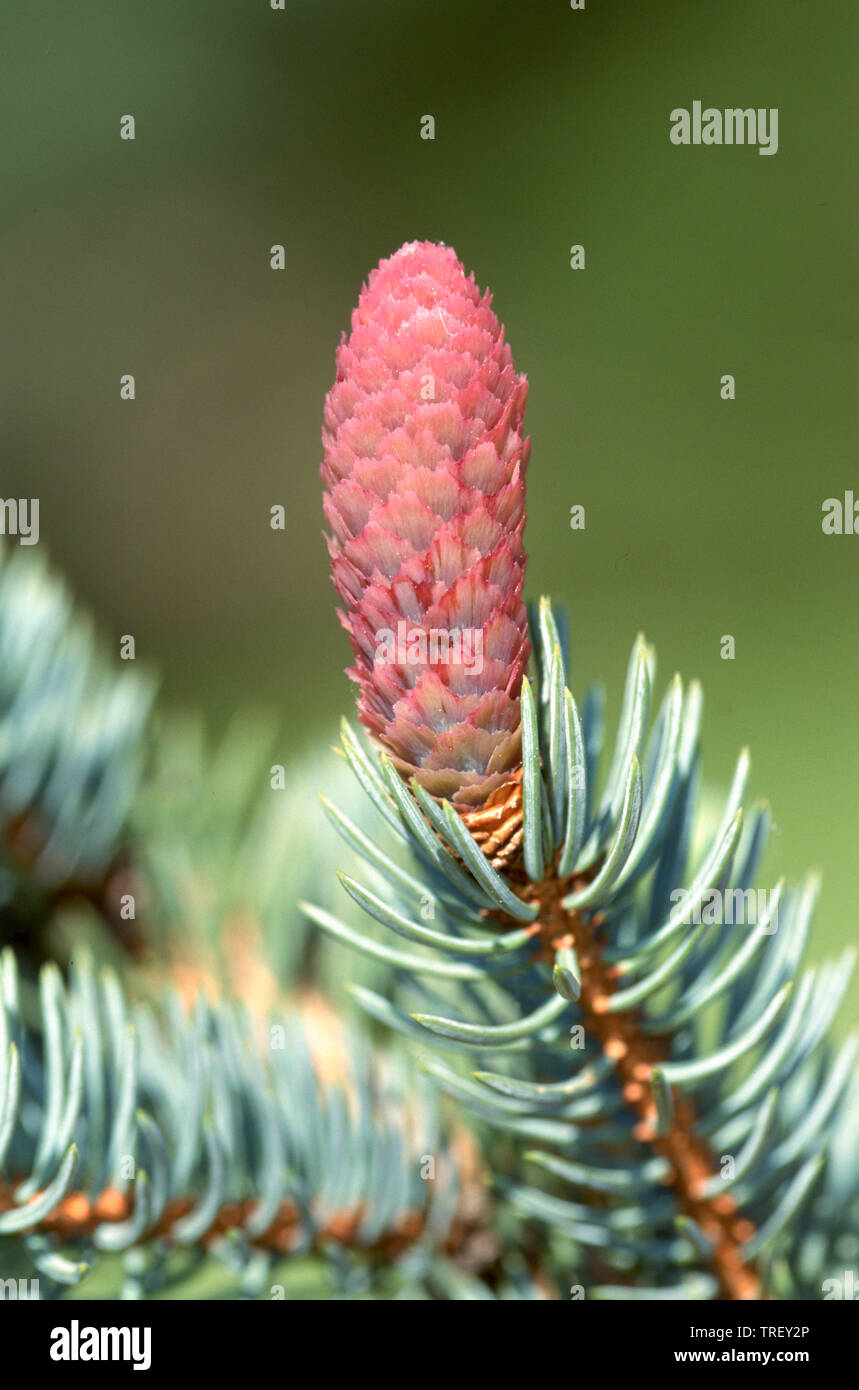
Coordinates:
424 477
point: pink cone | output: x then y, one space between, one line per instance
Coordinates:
424 476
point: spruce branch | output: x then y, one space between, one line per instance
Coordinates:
661 1064
694 1047
71 754
145 1131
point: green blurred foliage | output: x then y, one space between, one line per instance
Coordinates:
301 127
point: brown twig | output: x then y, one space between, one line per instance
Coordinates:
497 827
78 1214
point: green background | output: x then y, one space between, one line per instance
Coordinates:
301 127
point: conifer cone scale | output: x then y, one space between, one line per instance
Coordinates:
424 475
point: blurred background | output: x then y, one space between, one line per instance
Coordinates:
302 127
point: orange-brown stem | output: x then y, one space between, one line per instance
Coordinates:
497 827
78 1214
634 1055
